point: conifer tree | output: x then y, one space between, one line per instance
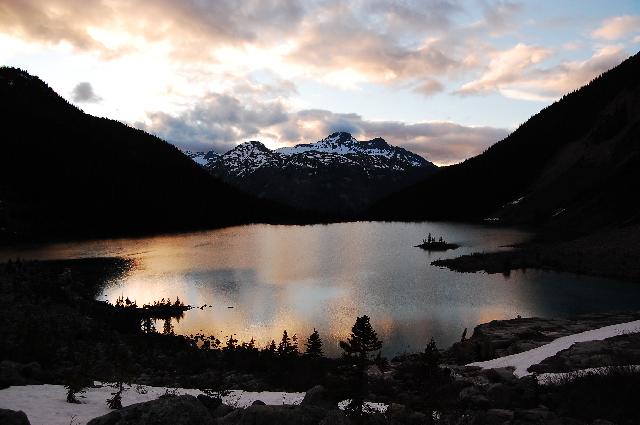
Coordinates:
286 347
363 339
314 345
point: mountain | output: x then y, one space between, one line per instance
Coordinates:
66 174
338 176
202 158
573 167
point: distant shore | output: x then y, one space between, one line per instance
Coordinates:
609 253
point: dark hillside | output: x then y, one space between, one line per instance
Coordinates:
576 163
66 174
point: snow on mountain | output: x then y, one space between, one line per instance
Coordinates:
344 144
338 150
202 158
246 158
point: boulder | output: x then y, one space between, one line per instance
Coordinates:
498 416
12 417
319 396
538 415
472 397
335 417
275 415
178 410
211 403
501 374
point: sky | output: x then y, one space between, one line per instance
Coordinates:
445 79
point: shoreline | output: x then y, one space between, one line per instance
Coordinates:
610 253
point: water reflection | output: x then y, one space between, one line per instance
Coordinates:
262 279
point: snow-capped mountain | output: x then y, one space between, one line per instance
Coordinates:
345 144
338 174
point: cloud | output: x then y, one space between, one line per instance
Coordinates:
506 67
220 121
618 27
83 93
114 27
516 73
217 121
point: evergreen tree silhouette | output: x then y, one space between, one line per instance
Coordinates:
314 345
286 346
362 341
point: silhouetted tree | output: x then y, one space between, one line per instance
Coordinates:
286 346
167 328
362 341
314 345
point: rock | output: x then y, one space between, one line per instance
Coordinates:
538 415
258 403
274 415
501 374
399 414
502 395
211 403
335 417
472 397
498 416
178 410
222 410
12 417
318 396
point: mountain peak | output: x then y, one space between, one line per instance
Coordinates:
377 143
252 145
340 137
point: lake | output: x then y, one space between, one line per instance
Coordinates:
262 279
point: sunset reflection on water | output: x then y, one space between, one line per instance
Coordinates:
262 279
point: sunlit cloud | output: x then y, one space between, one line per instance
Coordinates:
618 27
218 122
516 73
212 74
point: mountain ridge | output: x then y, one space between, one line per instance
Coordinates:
338 175
65 174
573 165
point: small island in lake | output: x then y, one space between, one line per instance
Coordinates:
433 244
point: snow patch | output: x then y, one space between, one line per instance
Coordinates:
46 404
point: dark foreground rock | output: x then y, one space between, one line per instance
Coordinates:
318 396
178 410
12 417
277 415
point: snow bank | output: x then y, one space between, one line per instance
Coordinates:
46 404
522 361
